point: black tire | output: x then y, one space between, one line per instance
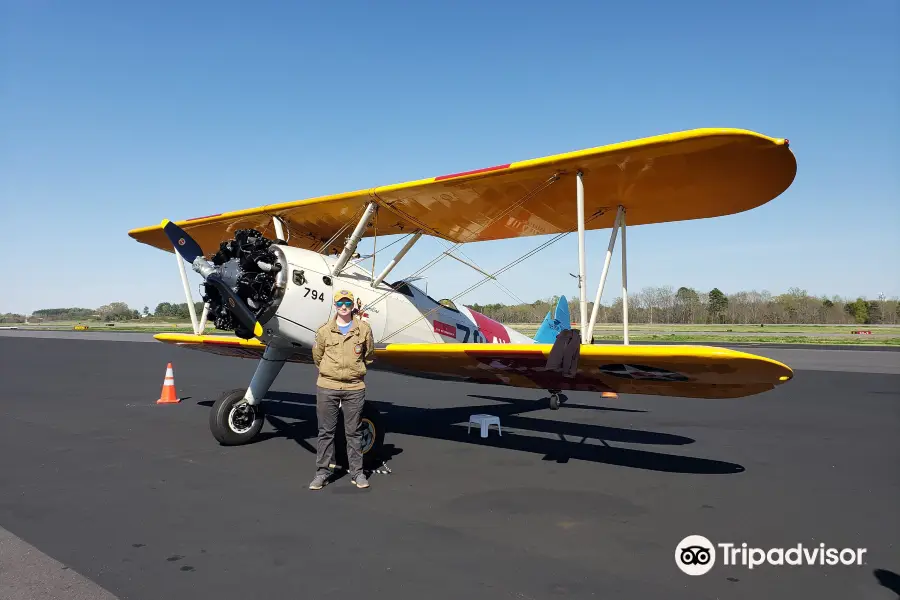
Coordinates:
240 430
373 431
554 401
372 425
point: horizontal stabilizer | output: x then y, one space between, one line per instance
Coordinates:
554 323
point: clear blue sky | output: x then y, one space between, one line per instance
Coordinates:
115 115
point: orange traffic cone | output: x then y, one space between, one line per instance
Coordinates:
168 395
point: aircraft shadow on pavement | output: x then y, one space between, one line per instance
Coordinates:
293 415
888 579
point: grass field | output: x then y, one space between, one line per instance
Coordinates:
754 339
814 329
125 326
886 335
769 334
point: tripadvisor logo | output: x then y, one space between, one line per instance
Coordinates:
696 555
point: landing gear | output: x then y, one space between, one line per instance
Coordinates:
238 416
372 429
556 399
233 421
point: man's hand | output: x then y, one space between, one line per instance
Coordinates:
318 349
370 347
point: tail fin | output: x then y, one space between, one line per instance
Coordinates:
554 323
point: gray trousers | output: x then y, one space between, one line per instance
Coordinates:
327 407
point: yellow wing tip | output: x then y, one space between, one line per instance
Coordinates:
178 337
139 230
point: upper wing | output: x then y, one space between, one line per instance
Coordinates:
308 223
688 175
686 371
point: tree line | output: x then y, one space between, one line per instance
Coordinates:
664 305
108 313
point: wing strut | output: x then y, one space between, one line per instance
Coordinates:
353 240
531 194
582 288
396 259
609 250
279 227
619 222
187 293
490 277
203 317
624 284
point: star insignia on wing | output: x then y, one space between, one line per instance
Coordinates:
642 373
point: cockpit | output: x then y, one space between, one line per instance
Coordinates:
447 303
406 289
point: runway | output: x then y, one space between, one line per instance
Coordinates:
135 500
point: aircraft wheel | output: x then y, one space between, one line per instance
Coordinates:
234 422
554 401
372 429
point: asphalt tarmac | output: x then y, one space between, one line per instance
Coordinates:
104 493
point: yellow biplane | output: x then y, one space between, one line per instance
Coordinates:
270 272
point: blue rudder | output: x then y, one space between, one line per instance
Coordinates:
554 323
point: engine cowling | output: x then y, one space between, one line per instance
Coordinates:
256 269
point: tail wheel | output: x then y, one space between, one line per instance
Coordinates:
233 421
556 399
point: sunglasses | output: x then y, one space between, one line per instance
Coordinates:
347 303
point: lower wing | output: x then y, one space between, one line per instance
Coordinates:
685 371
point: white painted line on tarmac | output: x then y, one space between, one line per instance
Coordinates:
26 573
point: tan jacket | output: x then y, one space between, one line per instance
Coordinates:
343 359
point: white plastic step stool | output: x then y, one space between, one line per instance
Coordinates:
485 421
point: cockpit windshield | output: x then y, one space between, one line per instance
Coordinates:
447 303
402 287
406 289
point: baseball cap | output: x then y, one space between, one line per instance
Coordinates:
343 294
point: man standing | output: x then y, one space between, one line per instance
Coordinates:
343 350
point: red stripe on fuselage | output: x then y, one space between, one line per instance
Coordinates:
492 331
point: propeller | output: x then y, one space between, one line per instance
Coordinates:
186 246
191 252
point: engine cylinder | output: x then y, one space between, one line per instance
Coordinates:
256 270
